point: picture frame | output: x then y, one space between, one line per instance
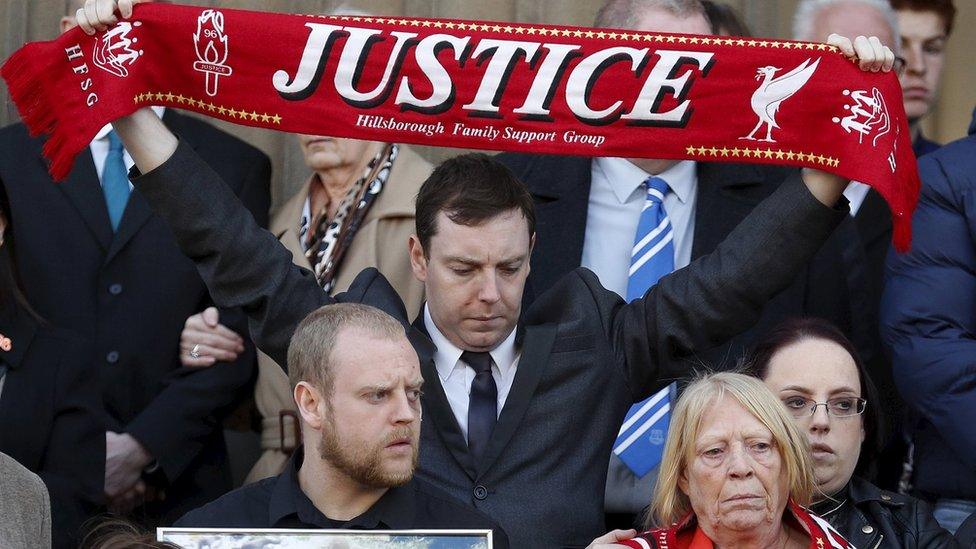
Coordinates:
281 538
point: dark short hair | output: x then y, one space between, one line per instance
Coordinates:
470 189
800 329
723 16
945 9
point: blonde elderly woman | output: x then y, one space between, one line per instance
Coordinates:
736 472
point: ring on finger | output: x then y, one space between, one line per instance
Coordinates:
195 351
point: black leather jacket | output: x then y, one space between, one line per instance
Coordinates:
872 518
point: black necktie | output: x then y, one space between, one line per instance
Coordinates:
483 403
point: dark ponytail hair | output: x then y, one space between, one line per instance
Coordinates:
800 329
12 294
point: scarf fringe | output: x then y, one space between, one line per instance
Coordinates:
902 233
902 205
26 81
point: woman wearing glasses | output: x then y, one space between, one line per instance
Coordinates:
815 372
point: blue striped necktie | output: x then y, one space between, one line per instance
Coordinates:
640 441
115 180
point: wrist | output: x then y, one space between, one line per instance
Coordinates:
825 187
139 456
146 138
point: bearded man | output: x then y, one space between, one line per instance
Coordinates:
357 385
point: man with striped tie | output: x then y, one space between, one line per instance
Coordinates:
634 221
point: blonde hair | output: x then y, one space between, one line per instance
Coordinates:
310 349
669 504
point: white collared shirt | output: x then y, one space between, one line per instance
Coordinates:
456 377
99 147
615 204
855 193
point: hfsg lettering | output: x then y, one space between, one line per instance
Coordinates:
81 68
556 68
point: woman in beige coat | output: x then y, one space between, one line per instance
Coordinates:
355 211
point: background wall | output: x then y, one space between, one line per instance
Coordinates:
28 20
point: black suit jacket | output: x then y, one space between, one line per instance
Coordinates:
585 354
727 193
874 230
50 418
129 294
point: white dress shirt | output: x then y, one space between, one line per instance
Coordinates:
616 201
855 193
99 147
456 376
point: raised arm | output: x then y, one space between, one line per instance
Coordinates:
723 293
241 264
147 140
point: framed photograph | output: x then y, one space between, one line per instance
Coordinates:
242 538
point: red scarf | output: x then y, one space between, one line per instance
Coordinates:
686 534
499 86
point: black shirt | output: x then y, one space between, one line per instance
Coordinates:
278 502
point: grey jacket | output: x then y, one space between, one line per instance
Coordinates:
25 509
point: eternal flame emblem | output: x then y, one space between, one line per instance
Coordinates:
773 91
211 46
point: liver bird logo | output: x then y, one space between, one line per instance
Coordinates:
772 91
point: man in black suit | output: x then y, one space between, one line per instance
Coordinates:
128 290
519 415
589 211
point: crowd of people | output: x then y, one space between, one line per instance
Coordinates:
566 351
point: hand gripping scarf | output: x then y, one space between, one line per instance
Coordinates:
479 85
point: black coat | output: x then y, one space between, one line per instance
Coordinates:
50 418
929 318
873 242
585 355
869 517
129 294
